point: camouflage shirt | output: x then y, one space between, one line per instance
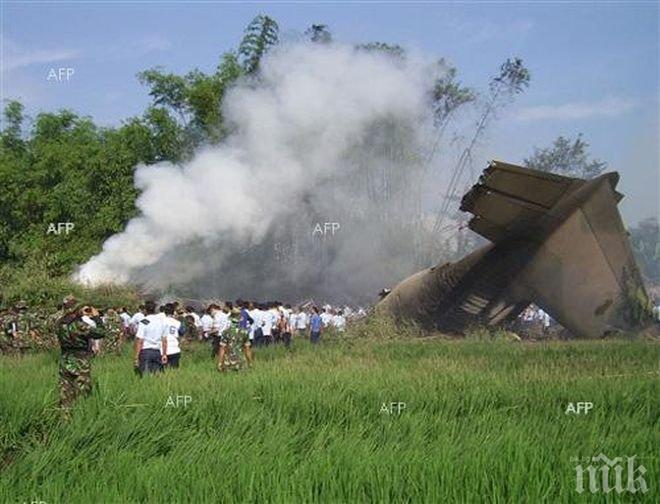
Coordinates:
18 325
73 333
113 323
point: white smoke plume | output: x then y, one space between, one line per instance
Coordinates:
325 134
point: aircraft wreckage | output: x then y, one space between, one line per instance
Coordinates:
556 241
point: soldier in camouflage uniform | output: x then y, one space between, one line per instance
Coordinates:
35 334
190 333
232 342
17 327
75 329
49 326
115 334
6 334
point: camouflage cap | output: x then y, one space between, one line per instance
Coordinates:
88 310
69 301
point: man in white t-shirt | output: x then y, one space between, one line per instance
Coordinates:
656 309
221 323
256 334
150 342
207 324
173 331
268 324
125 318
301 322
339 321
135 320
190 311
293 317
326 316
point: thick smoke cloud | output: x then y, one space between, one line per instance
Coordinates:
324 134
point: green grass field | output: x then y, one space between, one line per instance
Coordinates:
484 421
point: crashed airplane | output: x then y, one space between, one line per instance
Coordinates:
556 241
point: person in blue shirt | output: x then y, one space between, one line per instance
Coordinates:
245 320
315 326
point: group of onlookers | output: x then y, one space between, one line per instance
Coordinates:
232 328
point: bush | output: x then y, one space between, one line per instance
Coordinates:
36 287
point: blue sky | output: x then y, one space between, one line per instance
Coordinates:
594 65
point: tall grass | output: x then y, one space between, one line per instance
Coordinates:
483 422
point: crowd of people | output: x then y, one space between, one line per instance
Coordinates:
232 330
32 328
534 316
158 331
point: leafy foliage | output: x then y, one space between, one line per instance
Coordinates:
394 50
194 100
319 34
514 77
645 240
261 34
566 157
449 95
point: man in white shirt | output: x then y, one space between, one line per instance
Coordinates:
284 324
221 323
173 331
150 342
268 321
339 321
656 309
326 316
280 316
125 318
256 334
190 311
125 323
207 324
301 322
293 319
135 320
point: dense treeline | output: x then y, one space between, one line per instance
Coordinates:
61 167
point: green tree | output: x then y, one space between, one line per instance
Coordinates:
511 80
195 100
394 50
13 130
645 241
260 35
167 90
319 34
566 157
449 94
